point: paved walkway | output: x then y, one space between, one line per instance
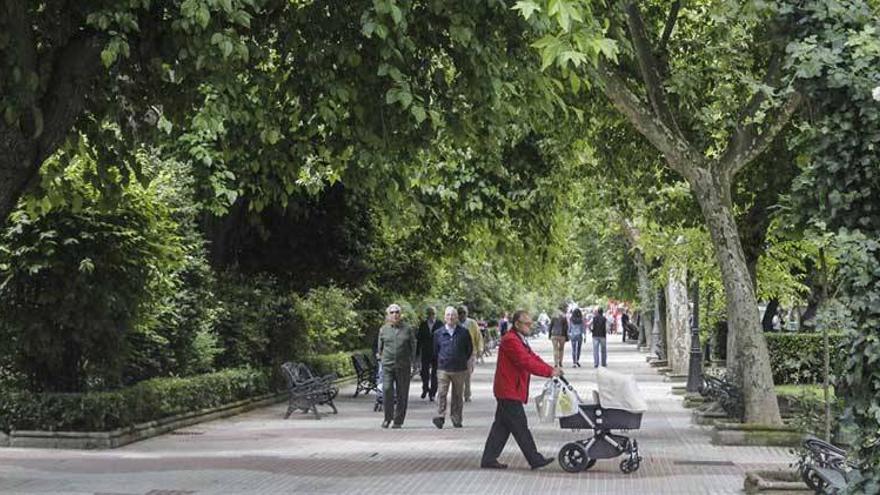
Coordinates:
259 452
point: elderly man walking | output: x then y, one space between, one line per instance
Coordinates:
397 351
516 363
476 340
425 338
452 347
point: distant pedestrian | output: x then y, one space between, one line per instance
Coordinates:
576 335
473 329
503 324
452 347
516 362
425 339
600 349
558 335
397 352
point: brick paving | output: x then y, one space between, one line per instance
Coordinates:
259 452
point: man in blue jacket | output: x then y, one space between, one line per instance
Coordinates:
452 349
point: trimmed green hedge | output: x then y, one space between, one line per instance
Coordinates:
797 357
146 401
338 362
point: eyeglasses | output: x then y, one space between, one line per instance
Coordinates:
394 312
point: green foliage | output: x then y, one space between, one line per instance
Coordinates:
76 284
149 400
329 319
837 61
798 357
339 362
257 323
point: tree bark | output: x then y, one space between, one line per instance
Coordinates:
747 354
678 336
646 296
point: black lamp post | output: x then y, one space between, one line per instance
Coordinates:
695 369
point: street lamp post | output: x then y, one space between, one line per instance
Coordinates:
695 369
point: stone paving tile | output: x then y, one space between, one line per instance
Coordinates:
259 452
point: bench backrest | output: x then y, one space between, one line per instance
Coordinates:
295 374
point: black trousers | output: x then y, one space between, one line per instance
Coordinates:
395 388
429 377
510 418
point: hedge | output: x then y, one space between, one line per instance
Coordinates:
146 401
338 362
796 358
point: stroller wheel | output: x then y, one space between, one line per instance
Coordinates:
573 458
628 466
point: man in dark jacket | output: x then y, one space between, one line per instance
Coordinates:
559 336
425 338
452 348
516 363
600 350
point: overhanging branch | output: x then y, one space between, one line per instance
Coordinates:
76 67
670 25
676 151
649 68
750 139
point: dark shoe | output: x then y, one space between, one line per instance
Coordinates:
543 462
431 398
385 424
457 425
438 422
424 393
493 465
467 399
396 426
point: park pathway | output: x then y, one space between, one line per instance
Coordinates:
259 452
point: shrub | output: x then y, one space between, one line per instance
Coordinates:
146 401
797 357
330 319
339 363
75 285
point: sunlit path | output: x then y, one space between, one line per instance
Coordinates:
259 452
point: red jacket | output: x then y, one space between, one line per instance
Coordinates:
516 363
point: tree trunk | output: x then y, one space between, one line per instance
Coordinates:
660 324
747 354
678 336
17 169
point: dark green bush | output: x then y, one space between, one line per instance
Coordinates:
339 363
147 401
797 357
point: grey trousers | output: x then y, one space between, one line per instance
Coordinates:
395 387
455 380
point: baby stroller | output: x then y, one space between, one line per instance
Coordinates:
617 406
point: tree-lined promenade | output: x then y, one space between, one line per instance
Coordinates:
197 191
260 452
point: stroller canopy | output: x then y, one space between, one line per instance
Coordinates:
618 391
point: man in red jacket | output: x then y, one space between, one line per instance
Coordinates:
516 362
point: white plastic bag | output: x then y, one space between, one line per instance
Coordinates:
567 402
545 402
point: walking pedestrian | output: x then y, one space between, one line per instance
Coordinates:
600 349
425 340
477 342
397 352
558 336
503 324
452 347
576 335
516 363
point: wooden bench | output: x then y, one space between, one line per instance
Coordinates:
307 390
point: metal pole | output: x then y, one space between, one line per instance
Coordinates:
695 368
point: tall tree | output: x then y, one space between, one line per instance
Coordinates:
705 84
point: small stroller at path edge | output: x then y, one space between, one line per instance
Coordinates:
616 406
